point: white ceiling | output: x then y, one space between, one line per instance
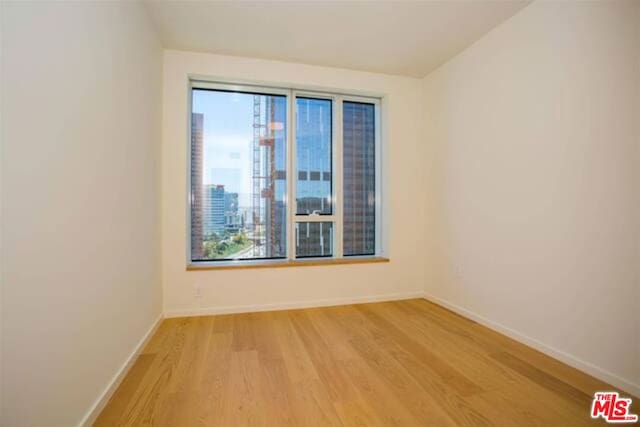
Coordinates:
397 37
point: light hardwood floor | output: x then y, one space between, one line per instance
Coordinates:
404 363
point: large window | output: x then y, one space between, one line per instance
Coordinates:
281 174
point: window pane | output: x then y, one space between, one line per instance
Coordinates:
314 239
359 179
238 175
313 156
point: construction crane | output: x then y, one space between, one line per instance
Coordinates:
263 178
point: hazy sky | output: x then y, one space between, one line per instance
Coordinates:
226 140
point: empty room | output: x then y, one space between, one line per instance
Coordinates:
319 213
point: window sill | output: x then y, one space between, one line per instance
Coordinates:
241 265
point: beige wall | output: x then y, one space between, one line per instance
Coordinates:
533 213
269 288
81 108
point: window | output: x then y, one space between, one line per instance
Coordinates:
313 156
238 175
282 174
359 176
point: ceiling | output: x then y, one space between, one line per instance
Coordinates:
408 38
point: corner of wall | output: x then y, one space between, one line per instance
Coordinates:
2 404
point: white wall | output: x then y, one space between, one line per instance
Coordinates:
534 172
81 105
260 288
1 211
637 14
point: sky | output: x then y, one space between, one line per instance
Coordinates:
228 139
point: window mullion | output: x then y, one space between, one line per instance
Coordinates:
315 218
291 181
379 244
337 181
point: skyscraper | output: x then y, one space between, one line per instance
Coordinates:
213 209
231 218
359 178
196 184
313 147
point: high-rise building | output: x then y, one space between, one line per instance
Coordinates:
196 184
232 222
313 175
213 210
231 203
313 146
314 239
359 178
266 220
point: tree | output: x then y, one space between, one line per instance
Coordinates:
222 247
240 239
210 249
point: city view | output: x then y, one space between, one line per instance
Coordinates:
238 160
239 182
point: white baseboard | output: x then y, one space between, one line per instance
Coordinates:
101 402
570 360
206 311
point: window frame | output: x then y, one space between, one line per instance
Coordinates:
291 94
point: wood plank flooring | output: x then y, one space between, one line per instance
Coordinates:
403 363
